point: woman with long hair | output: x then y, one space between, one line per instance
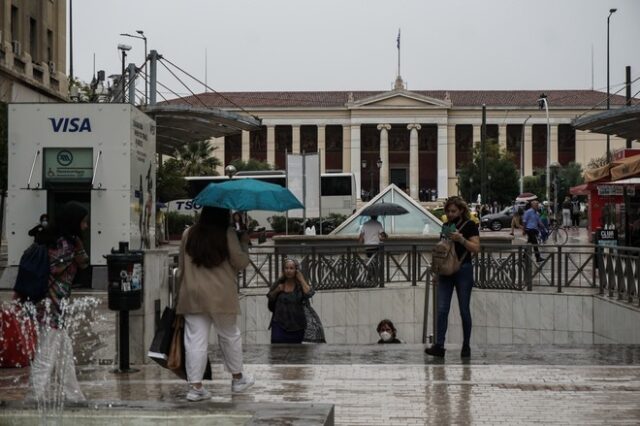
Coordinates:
210 257
466 241
286 300
55 352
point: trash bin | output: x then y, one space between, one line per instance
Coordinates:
124 292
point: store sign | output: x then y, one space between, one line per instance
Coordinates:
68 165
607 237
613 190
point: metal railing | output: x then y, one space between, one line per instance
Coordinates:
497 266
619 272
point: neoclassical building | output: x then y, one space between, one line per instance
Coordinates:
417 139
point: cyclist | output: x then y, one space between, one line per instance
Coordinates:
533 225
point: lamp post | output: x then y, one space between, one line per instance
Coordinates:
611 12
470 189
124 48
555 167
543 103
146 82
230 171
524 125
363 163
489 199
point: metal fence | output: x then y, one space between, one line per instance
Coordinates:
342 266
619 272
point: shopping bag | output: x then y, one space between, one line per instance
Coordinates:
17 337
161 343
176 349
313 331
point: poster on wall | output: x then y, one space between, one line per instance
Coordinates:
143 182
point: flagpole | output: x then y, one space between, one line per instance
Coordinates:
398 41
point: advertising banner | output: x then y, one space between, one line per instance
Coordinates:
303 180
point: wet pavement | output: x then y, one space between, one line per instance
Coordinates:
397 384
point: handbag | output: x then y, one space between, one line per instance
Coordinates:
176 358
313 331
444 259
161 343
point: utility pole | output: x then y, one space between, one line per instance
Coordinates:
628 96
483 156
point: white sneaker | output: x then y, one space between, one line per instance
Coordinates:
242 384
198 394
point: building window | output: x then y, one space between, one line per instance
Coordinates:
232 148
333 144
284 141
539 146
566 144
464 145
15 24
49 46
258 144
493 132
33 40
514 142
308 139
428 157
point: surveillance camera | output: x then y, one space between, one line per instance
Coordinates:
124 47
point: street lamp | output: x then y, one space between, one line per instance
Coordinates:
141 36
363 163
524 125
470 189
379 164
230 171
124 48
555 167
489 199
611 12
543 103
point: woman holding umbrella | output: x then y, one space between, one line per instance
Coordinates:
210 257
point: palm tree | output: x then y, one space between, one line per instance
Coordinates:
196 159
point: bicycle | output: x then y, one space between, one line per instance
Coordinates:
556 234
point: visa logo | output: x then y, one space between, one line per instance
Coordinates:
70 125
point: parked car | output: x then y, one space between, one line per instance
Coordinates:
497 221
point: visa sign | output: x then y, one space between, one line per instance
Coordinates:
70 124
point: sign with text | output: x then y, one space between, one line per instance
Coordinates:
612 190
70 165
607 237
303 180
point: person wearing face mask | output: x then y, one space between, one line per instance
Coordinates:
387 332
37 232
286 300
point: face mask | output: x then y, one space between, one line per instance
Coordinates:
385 335
44 223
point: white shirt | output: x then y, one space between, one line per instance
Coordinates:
311 230
371 232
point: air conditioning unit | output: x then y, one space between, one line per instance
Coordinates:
52 67
15 46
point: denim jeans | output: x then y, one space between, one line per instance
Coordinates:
462 281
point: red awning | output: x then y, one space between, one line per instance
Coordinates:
583 189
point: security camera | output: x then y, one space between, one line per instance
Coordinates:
124 47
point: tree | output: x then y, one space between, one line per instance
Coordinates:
536 184
594 163
196 159
170 181
251 165
503 186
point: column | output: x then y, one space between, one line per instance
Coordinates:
346 148
414 163
218 151
271 146
528 150
384 155
451 160
322 147
295 139
477 135
246 145
502 137
443 162
354 152
554 142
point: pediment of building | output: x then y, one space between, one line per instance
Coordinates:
401 99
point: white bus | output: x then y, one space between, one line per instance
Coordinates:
338 190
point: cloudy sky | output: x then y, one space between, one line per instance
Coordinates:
351 44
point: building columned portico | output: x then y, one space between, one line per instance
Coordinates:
417 140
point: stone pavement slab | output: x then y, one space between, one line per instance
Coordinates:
399 385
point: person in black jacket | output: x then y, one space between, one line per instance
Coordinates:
387 332
37 231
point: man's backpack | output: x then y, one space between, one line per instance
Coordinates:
32 282
444 259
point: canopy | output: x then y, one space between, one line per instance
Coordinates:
622 122
627 167
629 181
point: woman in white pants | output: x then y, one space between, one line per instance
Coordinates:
211 254
566 212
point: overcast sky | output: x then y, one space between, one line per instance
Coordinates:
351 44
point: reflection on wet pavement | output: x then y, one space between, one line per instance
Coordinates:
378 385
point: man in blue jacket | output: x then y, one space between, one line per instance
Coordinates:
533 226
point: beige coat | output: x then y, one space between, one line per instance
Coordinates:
211 290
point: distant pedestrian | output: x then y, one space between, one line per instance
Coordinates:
566 212
210 257
37 232
575 212
466 239
387 332
533 226
286 300
372 234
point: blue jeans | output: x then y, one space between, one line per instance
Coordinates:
462 281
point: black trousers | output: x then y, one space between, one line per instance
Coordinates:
532 238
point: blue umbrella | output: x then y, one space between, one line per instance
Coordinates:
246 195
